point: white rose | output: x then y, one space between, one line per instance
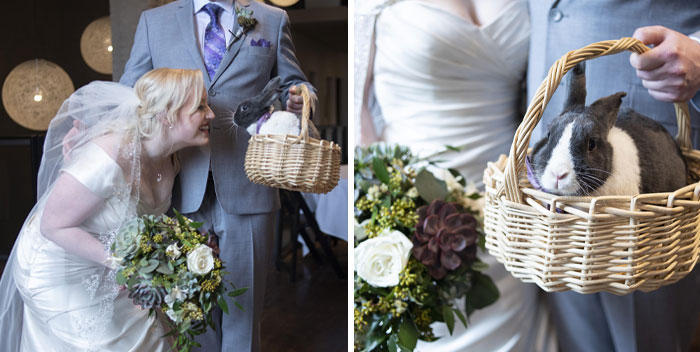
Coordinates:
379 260
200 260
359 232
173 251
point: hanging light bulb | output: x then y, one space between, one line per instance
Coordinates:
38 95
96 45
33 91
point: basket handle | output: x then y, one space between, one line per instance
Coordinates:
305 112
521 141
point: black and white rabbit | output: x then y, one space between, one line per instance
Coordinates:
591 150
257 116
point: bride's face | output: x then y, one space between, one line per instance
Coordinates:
192 129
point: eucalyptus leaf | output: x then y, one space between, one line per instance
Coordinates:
380 170
449 318
479 266
121 280
408 333
483 292
461 317
392 344
164 268
152 265
481 242
196 225
237 292
222 304
429 187
184 327
373 341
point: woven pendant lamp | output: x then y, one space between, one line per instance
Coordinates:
96 45
33 92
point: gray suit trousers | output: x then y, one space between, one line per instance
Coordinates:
662 320
236 233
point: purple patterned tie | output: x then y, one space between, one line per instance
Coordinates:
214 39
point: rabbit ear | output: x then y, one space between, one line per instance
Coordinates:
271 92
576 88
606 109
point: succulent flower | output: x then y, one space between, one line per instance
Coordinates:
128 238
245 18
147 296
444 238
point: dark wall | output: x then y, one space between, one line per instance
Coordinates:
54 36
52 32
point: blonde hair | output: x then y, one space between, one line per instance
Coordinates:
163 92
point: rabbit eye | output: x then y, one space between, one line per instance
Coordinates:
244 108
591 145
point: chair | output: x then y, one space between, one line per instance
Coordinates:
297 215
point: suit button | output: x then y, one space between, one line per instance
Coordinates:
556 15
212 93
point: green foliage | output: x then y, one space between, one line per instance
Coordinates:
154 253
429 187
390 185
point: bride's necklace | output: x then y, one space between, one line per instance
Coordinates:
159 169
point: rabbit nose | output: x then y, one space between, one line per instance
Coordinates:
561 176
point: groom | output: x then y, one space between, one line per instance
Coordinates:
239 46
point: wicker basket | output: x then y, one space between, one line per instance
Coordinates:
616 244
297 163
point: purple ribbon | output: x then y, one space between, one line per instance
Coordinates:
531 175
262 120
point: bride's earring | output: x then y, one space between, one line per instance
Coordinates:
161 117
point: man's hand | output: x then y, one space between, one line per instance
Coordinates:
670 70
67 143
295 102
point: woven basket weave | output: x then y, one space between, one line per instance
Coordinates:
297 163
617 244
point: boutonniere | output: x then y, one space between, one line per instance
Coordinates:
246 22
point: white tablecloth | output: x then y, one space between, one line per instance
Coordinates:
331 210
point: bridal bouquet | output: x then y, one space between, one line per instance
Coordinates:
168 265
416 236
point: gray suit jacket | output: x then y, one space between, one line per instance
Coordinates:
560 26
165 37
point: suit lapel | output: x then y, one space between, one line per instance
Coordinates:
234 46
185 16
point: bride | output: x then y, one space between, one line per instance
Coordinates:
447 72
58 291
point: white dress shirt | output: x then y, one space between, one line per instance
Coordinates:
202 19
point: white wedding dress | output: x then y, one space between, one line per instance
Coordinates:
61 312
441 80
